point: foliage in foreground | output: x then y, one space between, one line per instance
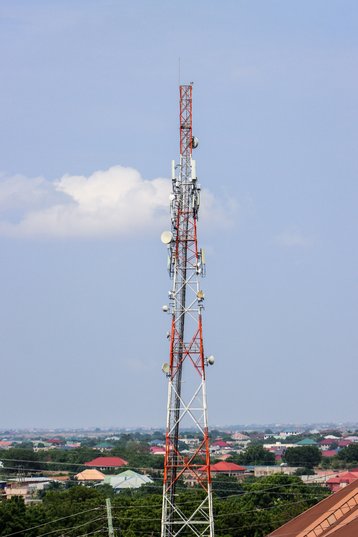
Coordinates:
250 509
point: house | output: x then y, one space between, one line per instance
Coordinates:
103 446
351 438
127 480
306 442
335 516
27 487
329 453
342 480
220 445
326 443
277 447
224 468
241 439
157 450
344 443
105 463
90 475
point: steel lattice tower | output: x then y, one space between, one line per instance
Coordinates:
186 371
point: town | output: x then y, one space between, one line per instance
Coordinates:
32 461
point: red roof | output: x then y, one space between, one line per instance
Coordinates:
329 453
344 477
328 441
224 466
344 443
107 462
220 443
157 449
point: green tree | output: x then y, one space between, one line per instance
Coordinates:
20 459
308 456
224 486
349 453
255 455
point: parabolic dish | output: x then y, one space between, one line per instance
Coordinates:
166 237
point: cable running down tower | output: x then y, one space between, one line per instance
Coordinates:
186 370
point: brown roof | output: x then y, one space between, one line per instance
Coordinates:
336 516
90 475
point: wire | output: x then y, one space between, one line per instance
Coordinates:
53 521
104 528
73 528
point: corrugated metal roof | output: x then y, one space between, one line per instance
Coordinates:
336 516
127 479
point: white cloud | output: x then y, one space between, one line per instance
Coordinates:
116 202
293 238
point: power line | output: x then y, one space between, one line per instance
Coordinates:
53 521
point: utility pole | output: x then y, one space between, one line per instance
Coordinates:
186 370
109 517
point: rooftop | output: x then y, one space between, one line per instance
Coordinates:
336 516
107 462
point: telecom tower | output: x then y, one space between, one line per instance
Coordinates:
186 370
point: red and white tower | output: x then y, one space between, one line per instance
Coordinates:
186 370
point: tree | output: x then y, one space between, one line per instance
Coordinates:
224 486
308 456
20 459
349 453
302 470
255 454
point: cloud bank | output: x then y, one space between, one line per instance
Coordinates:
113 202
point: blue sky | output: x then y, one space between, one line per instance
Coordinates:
89 125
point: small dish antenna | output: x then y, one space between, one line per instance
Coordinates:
166 237
194 142
210 360
166 368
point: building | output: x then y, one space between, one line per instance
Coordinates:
335 516
327 443
107 463
329 453
104 446
127 480
220 445
342 479
306 442
27 488
90 475
262 471
157 450
225 468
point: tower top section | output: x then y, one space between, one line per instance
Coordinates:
186 120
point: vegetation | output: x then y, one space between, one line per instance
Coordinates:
249 509
135 452
349 454
307 456
255 455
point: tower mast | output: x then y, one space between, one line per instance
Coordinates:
186 371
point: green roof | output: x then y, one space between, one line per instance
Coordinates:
306 442
104 445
